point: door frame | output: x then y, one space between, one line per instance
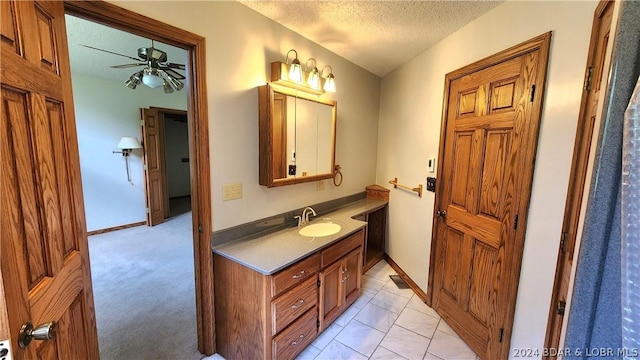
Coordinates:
577 181
542 44
198 123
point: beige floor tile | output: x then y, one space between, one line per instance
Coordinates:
360 337
405 343
417 322
447 346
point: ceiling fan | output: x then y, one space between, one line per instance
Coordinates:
156 72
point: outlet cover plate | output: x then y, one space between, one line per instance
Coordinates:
5 350
232 192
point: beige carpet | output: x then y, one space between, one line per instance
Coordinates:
143 284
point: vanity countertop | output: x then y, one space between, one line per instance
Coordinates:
270 253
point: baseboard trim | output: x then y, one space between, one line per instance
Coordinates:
403 275
115 228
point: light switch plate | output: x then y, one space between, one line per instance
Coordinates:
231 192
320 185
431 164
5 350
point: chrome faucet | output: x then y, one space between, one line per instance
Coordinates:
304 219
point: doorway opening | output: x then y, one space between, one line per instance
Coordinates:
117 200
198 154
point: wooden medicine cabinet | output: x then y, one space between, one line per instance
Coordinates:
297 136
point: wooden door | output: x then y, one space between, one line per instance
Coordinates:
331 294
352 276
279 136
489 139
45 261
591 92
153 144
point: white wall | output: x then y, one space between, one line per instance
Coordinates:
241 44
176 148
410 118
105 112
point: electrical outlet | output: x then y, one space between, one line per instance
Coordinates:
5 350
232 192
320 185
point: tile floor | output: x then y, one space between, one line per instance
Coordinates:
387 323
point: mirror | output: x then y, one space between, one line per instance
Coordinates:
297 136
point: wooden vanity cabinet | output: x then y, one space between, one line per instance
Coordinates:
340 282
276 316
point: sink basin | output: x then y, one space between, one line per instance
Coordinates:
320 229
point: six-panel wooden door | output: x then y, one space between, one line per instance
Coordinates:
492 121
44 255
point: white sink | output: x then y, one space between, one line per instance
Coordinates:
320 229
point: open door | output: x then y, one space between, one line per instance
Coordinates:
45 261
154 172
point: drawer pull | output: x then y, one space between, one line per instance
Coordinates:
298 275
296 342
298 304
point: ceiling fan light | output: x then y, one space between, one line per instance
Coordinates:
133 81
151 78
167 88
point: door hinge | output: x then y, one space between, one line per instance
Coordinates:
317 323
147 210
141 122
563 240
588 78
562 305
318 282
515 222
200 229
533 93
500 334
144 167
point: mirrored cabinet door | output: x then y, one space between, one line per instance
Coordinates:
297 136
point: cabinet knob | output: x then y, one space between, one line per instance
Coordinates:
298 275
298 341
298 304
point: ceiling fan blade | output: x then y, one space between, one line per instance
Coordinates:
111 52
124 66
175 66
174 74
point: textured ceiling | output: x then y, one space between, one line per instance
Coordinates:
376 35
97 64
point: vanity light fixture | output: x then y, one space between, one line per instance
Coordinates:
313 80
309 80
295 69
127 144
329 82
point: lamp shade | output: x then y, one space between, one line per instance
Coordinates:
152 79
129 143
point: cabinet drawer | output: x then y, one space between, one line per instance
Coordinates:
293 275
342 248
291 305
296 337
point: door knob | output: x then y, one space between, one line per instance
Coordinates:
46 331
442 213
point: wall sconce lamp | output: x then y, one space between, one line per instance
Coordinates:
314 76
309 79
127 144
295 69
330 82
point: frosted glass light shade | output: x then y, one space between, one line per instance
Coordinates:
152 79
129 143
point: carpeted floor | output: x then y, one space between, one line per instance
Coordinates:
143 284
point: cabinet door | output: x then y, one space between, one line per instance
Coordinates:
331 293
353 276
